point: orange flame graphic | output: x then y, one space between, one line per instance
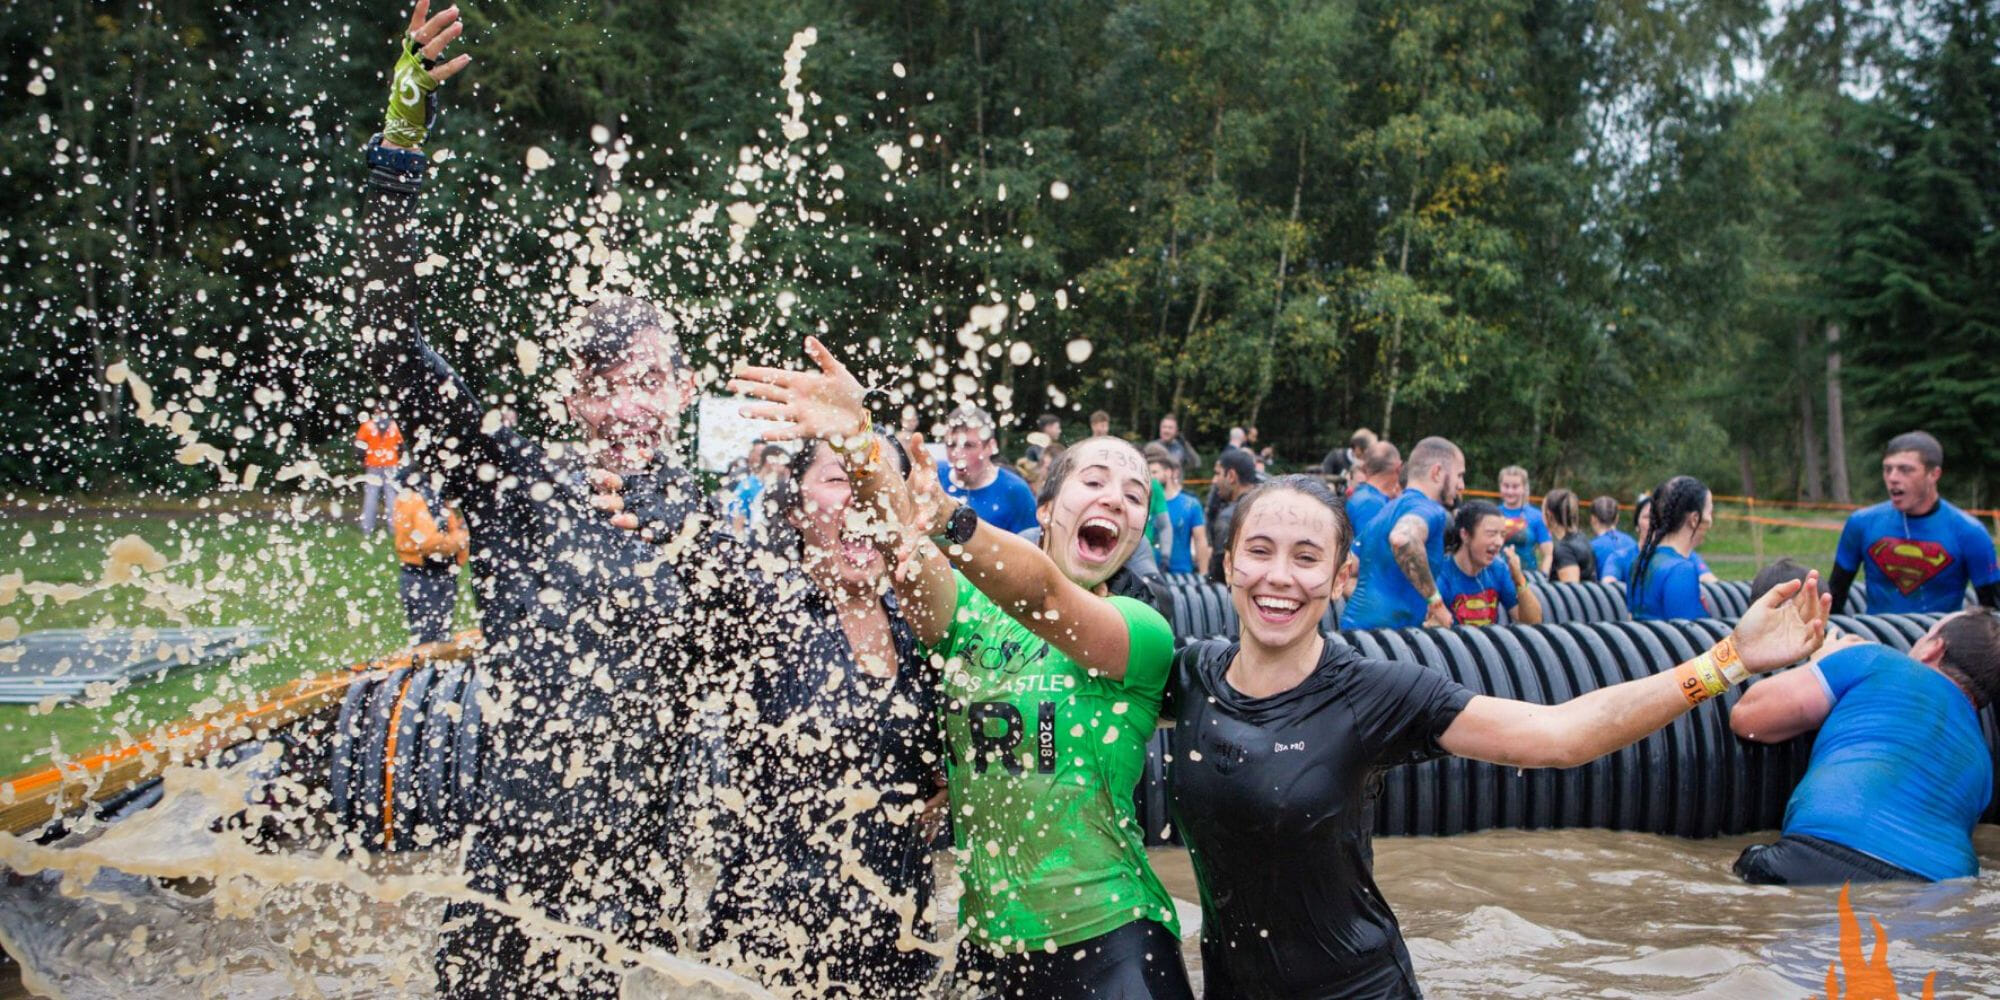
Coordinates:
1870 979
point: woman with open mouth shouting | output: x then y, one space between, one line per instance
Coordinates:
1051 689
1277 735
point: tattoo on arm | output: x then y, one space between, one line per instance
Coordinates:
1410 558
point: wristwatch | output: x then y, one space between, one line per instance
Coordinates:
959 528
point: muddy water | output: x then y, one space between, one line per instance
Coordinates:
1580 913
1590 913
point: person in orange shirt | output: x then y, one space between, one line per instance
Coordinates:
432 542
380 443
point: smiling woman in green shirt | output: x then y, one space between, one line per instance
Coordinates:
1051 689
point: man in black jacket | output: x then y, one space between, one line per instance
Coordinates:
597 638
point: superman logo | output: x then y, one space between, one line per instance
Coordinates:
1515 527
1482 608
1908 564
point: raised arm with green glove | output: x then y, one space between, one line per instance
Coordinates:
418 73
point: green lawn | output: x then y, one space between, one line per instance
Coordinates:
327 599
1731 546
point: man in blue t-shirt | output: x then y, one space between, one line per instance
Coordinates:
1899 771
999 496
1403 547
1527 532
1608 544
1187 542
1919 552
1379 479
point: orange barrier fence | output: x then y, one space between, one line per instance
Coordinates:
33 797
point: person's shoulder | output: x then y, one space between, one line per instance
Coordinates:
1012 482
1866 516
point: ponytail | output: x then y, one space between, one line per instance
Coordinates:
1672 503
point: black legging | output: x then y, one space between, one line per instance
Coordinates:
1796 859
1139 961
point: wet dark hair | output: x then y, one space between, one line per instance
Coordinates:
1311 486
1559 507
1672 503
788 498
1972 654
1927 448
1784 570
1605 510
1465 520
605 334
1065 464
1043 422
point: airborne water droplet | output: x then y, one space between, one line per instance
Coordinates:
1077 350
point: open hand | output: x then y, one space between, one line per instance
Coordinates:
418 73
827 404
1784 626
607 495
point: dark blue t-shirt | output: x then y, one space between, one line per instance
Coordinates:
1899 770
1670 589
1527 525
1362 505
1184 513
1477 600
1006 502
1384 597
1916 564
1611 549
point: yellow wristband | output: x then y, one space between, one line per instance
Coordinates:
1699 679
859 452
1727 661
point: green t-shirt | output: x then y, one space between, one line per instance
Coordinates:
1154 508
1044 757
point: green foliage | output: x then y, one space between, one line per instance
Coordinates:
1564 233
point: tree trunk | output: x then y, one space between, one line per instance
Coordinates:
1836 423
1396 330
1266 357
1743 474
1811 488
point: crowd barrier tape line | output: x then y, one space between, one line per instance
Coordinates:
31 798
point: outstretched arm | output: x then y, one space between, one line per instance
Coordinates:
1785 626
1007 568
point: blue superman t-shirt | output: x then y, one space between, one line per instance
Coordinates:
1916 564
1478 600
1362 505
1525 530
1899 769
1671 588
1384 597
1185 514
1006 502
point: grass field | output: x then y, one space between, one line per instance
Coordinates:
326 598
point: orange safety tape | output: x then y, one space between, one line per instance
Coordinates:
389 765
23 785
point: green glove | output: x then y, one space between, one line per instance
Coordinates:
410 86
